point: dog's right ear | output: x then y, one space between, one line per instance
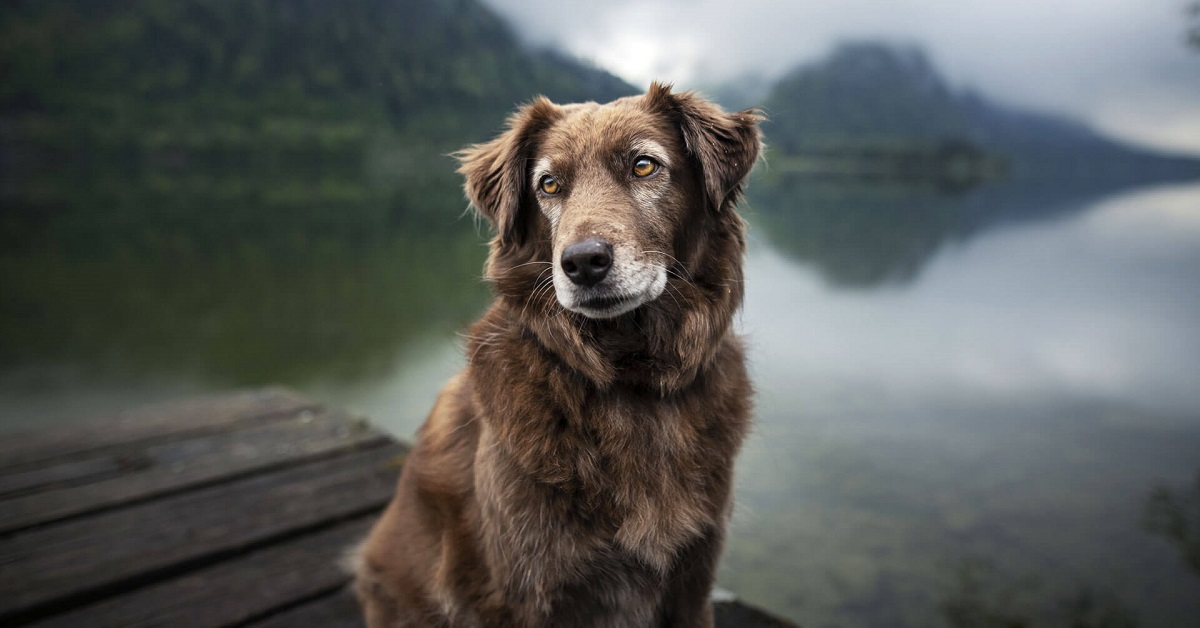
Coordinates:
497 174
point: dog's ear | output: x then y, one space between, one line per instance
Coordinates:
496 172
725 145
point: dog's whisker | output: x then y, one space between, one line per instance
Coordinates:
677 263
544 292
681 278
541 288
512 268
669 288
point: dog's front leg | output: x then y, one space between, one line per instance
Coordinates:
689 585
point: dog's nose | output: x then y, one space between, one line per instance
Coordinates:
586 262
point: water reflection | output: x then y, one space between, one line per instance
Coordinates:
1099 305
1175 516
1012 401
861 234
856 235
980 597
228 278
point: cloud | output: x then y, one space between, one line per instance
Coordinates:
1121 65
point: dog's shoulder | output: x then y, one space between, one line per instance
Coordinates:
445 448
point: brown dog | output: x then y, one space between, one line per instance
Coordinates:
578 471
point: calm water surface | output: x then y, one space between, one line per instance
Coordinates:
998 420
964 402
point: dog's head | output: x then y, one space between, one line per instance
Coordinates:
599 199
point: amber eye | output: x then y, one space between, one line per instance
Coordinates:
644 167
549 185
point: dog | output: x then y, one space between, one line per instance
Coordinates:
578 471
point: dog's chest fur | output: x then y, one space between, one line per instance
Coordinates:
597 484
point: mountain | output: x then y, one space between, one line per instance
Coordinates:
868 97
741 92
310 76
862 93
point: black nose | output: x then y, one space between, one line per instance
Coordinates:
587 262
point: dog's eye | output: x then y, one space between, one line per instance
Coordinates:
644 167
549 185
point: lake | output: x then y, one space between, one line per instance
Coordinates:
972 405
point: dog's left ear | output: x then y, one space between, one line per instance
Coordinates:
726 145
496 172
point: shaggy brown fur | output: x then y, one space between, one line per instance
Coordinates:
578 471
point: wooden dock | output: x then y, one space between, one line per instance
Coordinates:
229 510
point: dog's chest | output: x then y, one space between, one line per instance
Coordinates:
651 469
630 489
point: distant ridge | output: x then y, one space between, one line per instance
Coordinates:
870 94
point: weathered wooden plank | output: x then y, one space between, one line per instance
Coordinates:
201 413
337 610
61 566
734 614
65 473
341 610
193 460
236 591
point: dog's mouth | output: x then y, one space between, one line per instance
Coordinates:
610 303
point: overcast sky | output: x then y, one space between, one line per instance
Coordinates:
1121 65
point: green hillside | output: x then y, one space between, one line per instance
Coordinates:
154 78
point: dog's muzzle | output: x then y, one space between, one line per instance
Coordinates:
590 279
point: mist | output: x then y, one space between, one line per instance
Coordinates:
1122 66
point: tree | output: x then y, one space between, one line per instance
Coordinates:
1193 31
